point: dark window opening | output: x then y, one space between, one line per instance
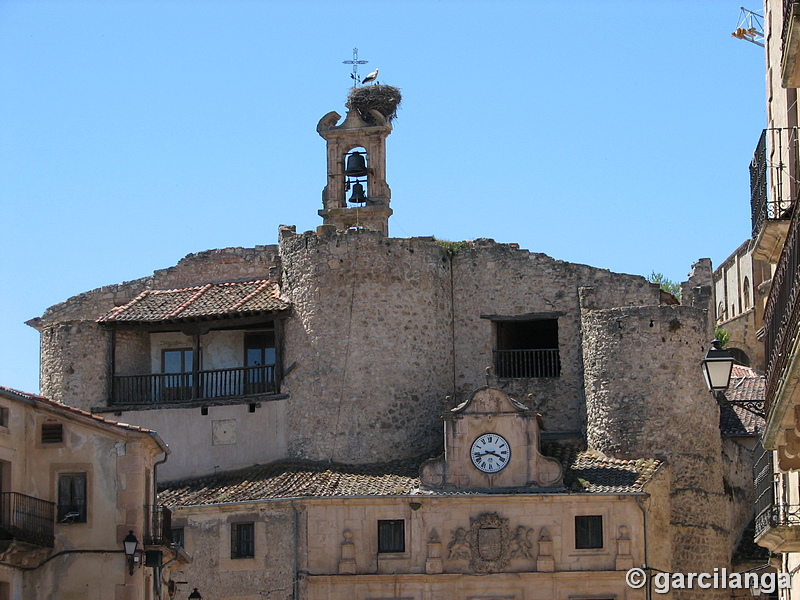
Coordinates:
52 433
243 540
527 349
588 532
740 356
72 498
178 537
176 364
260 357
3 416
392 536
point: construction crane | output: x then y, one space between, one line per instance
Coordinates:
750 27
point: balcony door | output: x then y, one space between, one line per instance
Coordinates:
176 364
259 352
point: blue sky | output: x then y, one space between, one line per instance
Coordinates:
611 133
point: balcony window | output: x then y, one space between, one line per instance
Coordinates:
72 498
243 540
178 537
391 536
259 350
178 364
527 348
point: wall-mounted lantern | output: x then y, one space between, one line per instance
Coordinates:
130 543
717 368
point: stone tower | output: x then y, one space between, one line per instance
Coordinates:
356 157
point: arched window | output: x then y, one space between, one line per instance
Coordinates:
720 310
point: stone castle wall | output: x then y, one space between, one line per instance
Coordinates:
492 279
646 397
370 337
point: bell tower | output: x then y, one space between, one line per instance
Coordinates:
357 194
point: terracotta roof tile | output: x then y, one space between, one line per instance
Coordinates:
746 385
583 472
58 406
209 300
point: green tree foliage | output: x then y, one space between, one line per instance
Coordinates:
666 284
722 335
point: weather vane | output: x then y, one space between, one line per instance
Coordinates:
355 62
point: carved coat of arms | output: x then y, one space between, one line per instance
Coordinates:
489 540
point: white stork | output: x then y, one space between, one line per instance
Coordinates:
371 77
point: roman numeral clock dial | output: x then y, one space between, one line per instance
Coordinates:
490 453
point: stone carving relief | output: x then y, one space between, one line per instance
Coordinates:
521 544
489 543
459 546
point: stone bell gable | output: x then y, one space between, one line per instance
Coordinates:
491 412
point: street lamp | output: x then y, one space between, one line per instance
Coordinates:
717 367
130 544
195 595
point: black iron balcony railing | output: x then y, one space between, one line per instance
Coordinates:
763 482
527 363
27 519
773 176
782 313
787 14
182 387
159 526
778 515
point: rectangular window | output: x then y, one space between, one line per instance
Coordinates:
3 416
52 433
176 364
588 532
527 348
177 537
243 540
72 498
260 356
392 536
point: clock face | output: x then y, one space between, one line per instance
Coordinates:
490 453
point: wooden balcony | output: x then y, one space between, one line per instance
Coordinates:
173 388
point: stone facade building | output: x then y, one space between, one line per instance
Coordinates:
741 284
336 406
776 228
72 486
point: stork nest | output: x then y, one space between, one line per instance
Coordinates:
383 98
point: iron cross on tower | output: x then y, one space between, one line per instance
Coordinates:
355 62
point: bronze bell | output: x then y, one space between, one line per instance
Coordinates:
358 193
356 165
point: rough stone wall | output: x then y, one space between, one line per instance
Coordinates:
646 397
737 464
75 358
75 351
270 573
370 339
500 279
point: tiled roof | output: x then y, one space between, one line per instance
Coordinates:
590 471
293 479
583 472
746 385
202 301
71 410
